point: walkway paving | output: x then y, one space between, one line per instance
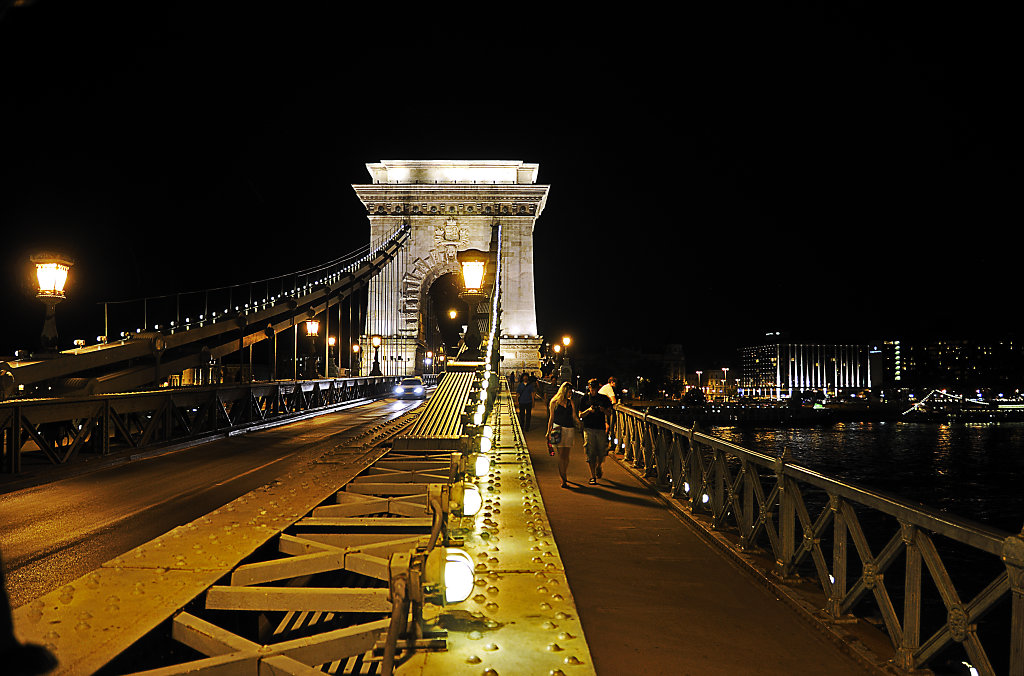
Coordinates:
655 598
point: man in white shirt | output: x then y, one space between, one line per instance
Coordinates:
608 389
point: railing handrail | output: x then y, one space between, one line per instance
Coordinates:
961 529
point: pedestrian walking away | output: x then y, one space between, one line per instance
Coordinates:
562 419
595 412
525 393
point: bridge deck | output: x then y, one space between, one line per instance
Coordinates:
653 596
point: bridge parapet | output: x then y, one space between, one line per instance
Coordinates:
762 509
62 428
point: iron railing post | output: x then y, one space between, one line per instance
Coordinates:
839 544
746 521
630 452
661 456
678 457
787 517
911 600
1013 557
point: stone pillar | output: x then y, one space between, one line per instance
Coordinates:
453 205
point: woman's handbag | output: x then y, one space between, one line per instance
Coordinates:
556 436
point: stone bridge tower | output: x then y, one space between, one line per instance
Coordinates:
452 206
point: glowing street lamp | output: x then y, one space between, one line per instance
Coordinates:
51 274
355 353
376 341
567 341
473 264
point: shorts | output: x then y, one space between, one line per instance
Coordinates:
567 435
595 443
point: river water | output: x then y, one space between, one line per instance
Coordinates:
969 470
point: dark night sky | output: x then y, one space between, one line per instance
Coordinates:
842 174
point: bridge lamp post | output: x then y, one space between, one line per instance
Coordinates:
355 353
51 274
331 342
474 264
376 341
312 330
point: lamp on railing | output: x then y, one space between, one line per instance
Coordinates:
440 576
51 274
355 353
376 341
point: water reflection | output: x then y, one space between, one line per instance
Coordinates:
968 470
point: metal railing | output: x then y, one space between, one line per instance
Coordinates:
193 309
59 429
768 504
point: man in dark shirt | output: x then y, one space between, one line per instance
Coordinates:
595 411
525 393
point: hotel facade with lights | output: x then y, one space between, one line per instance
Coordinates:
778 370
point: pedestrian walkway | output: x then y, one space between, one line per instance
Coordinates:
654 597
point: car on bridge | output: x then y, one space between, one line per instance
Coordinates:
411 388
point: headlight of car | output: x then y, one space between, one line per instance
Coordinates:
418 390
399 390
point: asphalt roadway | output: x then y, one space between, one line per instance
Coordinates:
653 596
61 529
